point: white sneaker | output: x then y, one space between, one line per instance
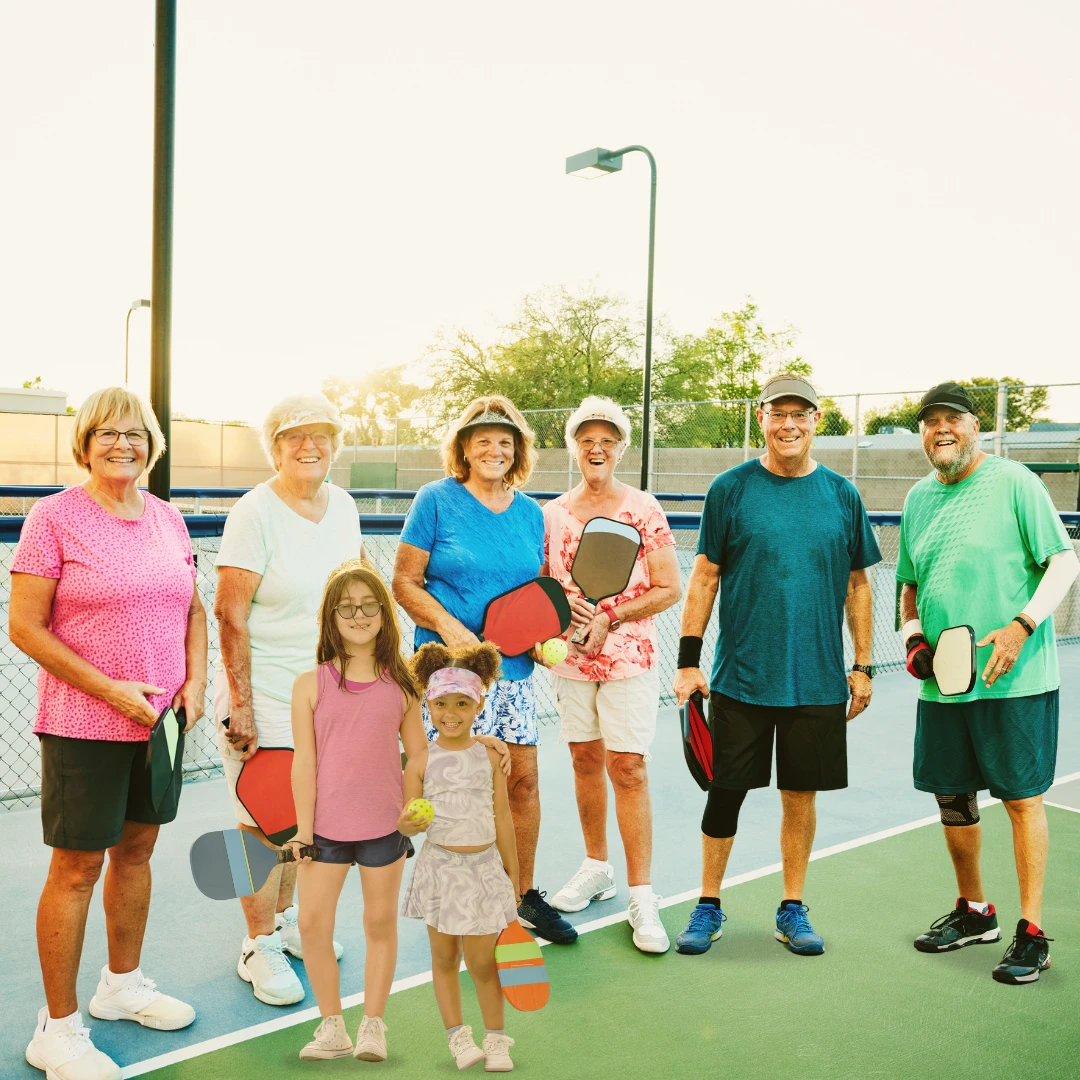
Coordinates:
287 926
588 884
649 933
497 1053
263 963
331 1041
371 1040
138 999
67 1052
465 1051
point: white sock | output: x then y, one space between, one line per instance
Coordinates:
982 908
112 979
640 892
598 864
52 1024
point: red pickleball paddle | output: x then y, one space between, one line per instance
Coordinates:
514 621
264 788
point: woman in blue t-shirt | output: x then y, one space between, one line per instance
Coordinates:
468 538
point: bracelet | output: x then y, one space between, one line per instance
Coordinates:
1025 624
689 651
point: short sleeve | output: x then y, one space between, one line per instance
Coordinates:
862 545
176 521
547 536
541 533
1040 525
421 520
905 568
39 551
243 543
711 537
657 532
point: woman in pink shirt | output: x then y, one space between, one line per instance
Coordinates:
103 600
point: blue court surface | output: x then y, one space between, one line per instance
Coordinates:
192 943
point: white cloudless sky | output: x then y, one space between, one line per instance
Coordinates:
898 181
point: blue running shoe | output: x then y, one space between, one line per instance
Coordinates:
702 930
794 929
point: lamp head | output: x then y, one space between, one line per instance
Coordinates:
593 163
136 304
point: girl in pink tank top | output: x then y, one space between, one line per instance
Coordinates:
347 716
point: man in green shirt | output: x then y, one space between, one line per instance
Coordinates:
981 544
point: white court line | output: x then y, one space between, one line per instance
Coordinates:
292 1019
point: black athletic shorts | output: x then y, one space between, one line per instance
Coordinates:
811 745
90 787
382 851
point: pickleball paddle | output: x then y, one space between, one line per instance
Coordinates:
604 559
514 621
696 740
264 788
235 863
954 661
521 969
164 751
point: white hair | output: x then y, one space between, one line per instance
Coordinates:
297 403
595 407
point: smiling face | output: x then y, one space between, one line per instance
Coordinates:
788 426
304 454
358 630
597 450
489 450
950 439
454 713
121 462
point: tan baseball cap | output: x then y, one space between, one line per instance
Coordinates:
782 386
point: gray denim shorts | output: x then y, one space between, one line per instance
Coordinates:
382 851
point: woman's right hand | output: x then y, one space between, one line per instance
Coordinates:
456 635
130 699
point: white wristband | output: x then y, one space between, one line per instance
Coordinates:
909 630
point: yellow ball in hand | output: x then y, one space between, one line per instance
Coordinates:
554 650
422 809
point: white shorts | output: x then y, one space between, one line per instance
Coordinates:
622 712
273 722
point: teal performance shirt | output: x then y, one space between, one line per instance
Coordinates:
976 551
786 547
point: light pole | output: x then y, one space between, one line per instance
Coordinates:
135 305
599 162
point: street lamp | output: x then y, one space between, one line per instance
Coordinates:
135 305
599 162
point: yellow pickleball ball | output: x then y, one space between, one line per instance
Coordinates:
422 809
554 650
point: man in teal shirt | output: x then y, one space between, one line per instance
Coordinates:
981 544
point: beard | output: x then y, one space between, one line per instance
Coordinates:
960 460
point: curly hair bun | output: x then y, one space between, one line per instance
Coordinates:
482 659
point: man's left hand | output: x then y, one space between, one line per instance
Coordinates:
862 689
1008 641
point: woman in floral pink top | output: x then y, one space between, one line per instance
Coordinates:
608 690
103 598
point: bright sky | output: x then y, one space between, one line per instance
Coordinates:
898 181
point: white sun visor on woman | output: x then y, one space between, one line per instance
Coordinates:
308 416
598 408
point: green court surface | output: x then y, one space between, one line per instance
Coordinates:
871 1007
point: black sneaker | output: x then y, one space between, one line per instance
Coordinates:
962 926
537 914
1028 954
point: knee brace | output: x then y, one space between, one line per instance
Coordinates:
721 817
959 809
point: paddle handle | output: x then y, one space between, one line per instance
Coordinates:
576 637
310 851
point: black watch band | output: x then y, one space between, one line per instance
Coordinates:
868 671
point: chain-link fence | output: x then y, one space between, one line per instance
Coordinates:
19 757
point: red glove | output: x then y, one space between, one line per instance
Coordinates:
920 658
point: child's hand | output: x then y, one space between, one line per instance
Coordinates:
410 823
295 844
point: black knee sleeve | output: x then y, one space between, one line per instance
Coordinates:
959 809
721 817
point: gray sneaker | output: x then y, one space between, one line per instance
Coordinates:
587 885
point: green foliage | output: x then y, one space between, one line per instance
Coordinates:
903 414
33 384
1022 406
833 421
373 401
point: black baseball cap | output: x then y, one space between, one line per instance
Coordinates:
947 393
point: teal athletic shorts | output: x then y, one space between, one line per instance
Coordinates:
1008 745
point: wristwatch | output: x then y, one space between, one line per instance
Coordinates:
609 610
868 671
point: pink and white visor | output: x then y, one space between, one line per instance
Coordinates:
450 680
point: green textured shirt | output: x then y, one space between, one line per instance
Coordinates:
976 550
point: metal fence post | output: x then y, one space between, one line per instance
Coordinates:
855 444
999 424
746 433
652 448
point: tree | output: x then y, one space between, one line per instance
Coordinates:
374 401
833 421
33 384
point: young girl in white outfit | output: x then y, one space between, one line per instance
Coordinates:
463 881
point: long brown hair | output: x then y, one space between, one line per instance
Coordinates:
388 659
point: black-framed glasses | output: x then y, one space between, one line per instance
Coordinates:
369 608
107 436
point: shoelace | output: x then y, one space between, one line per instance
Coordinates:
1015 950
77 1037
275 957
701 916
461 1040
583 874
645 911
802 923
544 908
145 988
369 1028
952 916
498 1044
329 1030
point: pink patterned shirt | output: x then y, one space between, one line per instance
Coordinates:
123 593
631 649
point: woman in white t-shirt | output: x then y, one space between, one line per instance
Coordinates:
282 539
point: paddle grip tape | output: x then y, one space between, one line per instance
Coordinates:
959 810
920 659
689 651
721 817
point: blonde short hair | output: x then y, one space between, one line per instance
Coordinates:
109 405
453 448
296 403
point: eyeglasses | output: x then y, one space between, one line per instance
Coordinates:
296 438
370 608
607 445
800 416
107 436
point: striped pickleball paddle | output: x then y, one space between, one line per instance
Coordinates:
521 969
